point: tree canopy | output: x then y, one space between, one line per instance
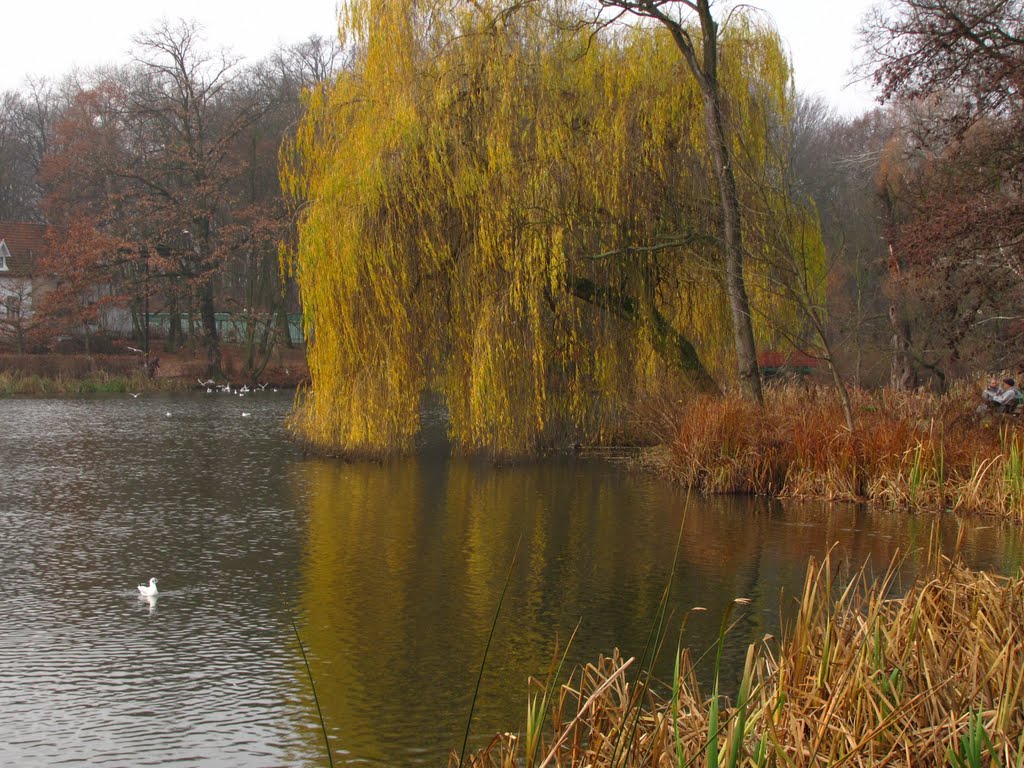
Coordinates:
952 179
519 211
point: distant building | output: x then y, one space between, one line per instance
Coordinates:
781 365
22 247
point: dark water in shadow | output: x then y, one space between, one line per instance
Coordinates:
392 571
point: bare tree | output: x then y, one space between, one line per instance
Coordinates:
951 187
27 120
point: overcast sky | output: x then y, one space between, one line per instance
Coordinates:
51 37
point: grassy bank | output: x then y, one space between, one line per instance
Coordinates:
17 383
913 450
932 678
73 374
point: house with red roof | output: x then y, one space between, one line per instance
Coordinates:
25 278
23 247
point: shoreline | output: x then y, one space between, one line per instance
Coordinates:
915 451
55 374
918 452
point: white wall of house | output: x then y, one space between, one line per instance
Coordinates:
116 320
15 296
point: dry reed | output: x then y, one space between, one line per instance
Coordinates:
13 383
934 677
912 450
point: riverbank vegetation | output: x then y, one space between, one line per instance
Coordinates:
858 678
34 384
72 374
919 451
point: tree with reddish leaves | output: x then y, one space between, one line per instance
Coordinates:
967 51
174 159
83 263
147 156
97 232
954 188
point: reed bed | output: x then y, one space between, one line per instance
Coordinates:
912 450
17 383
934 677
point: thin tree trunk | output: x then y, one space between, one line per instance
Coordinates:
211 340
173 326
705 72
840 385
902 374
739 304
284 327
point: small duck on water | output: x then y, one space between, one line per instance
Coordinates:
149 591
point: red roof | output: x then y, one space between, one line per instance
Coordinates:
27 243
792 359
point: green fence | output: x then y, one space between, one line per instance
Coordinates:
230 327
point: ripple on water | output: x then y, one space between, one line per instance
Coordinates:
108 494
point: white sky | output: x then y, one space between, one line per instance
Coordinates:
51 37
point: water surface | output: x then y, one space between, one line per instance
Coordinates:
392 572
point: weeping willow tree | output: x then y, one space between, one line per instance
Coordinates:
521 214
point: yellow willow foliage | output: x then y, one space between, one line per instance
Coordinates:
465 175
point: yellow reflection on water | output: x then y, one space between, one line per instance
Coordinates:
404 565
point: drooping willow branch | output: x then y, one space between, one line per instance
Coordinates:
674 348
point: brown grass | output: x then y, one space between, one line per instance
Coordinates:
69 366
914 450
63 374
859 679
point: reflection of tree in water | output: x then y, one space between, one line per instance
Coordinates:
405 564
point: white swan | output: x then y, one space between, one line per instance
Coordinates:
149 591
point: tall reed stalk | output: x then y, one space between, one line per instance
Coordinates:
312 686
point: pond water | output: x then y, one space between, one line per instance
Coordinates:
392 574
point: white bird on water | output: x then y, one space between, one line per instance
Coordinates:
149 591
